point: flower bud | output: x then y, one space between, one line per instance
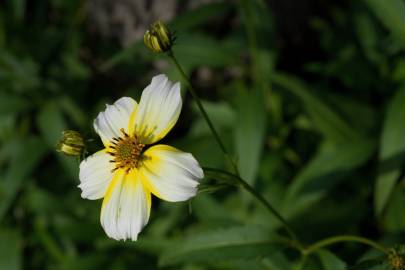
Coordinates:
71 143
158 38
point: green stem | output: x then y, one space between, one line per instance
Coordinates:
261 199
294 241
243 183
202 110
343 238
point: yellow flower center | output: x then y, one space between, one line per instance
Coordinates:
126 151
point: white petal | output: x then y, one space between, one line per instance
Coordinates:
158 110
95 175
109 122
126 206
170 174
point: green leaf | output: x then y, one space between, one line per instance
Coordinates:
7 127
123 55
249 131
327 120
329 261
398 74
244 264
221 114
51 123
209 210
194 50
10 250
198 147
331 164
84 262
277 261
324 260
367 36
18 74
221 245
18 8
392 15
307 263
27 153
146 244
198 16
359 114
392 151
70 108
200 137
370 264
12 103
394 220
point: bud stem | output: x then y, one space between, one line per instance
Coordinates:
202 110
343 238
243 183
294 240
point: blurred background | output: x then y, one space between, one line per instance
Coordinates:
309 97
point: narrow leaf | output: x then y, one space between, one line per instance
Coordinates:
198 16
329 261
249 132
329 123
26 155
367 264
12 103
227 244
331 164
10 250
392 15
392 151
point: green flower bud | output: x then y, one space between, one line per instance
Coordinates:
71 143
158 38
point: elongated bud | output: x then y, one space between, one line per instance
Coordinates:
71 143
158 38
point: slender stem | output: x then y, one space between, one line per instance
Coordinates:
201 108
244 184
261 199
294 240
343 238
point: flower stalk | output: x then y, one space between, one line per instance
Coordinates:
295 243
343 238
241 181
159 39
202 110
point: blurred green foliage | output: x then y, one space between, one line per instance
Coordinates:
322 136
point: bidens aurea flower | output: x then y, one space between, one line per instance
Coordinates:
127 171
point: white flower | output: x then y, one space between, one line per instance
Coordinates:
126 172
